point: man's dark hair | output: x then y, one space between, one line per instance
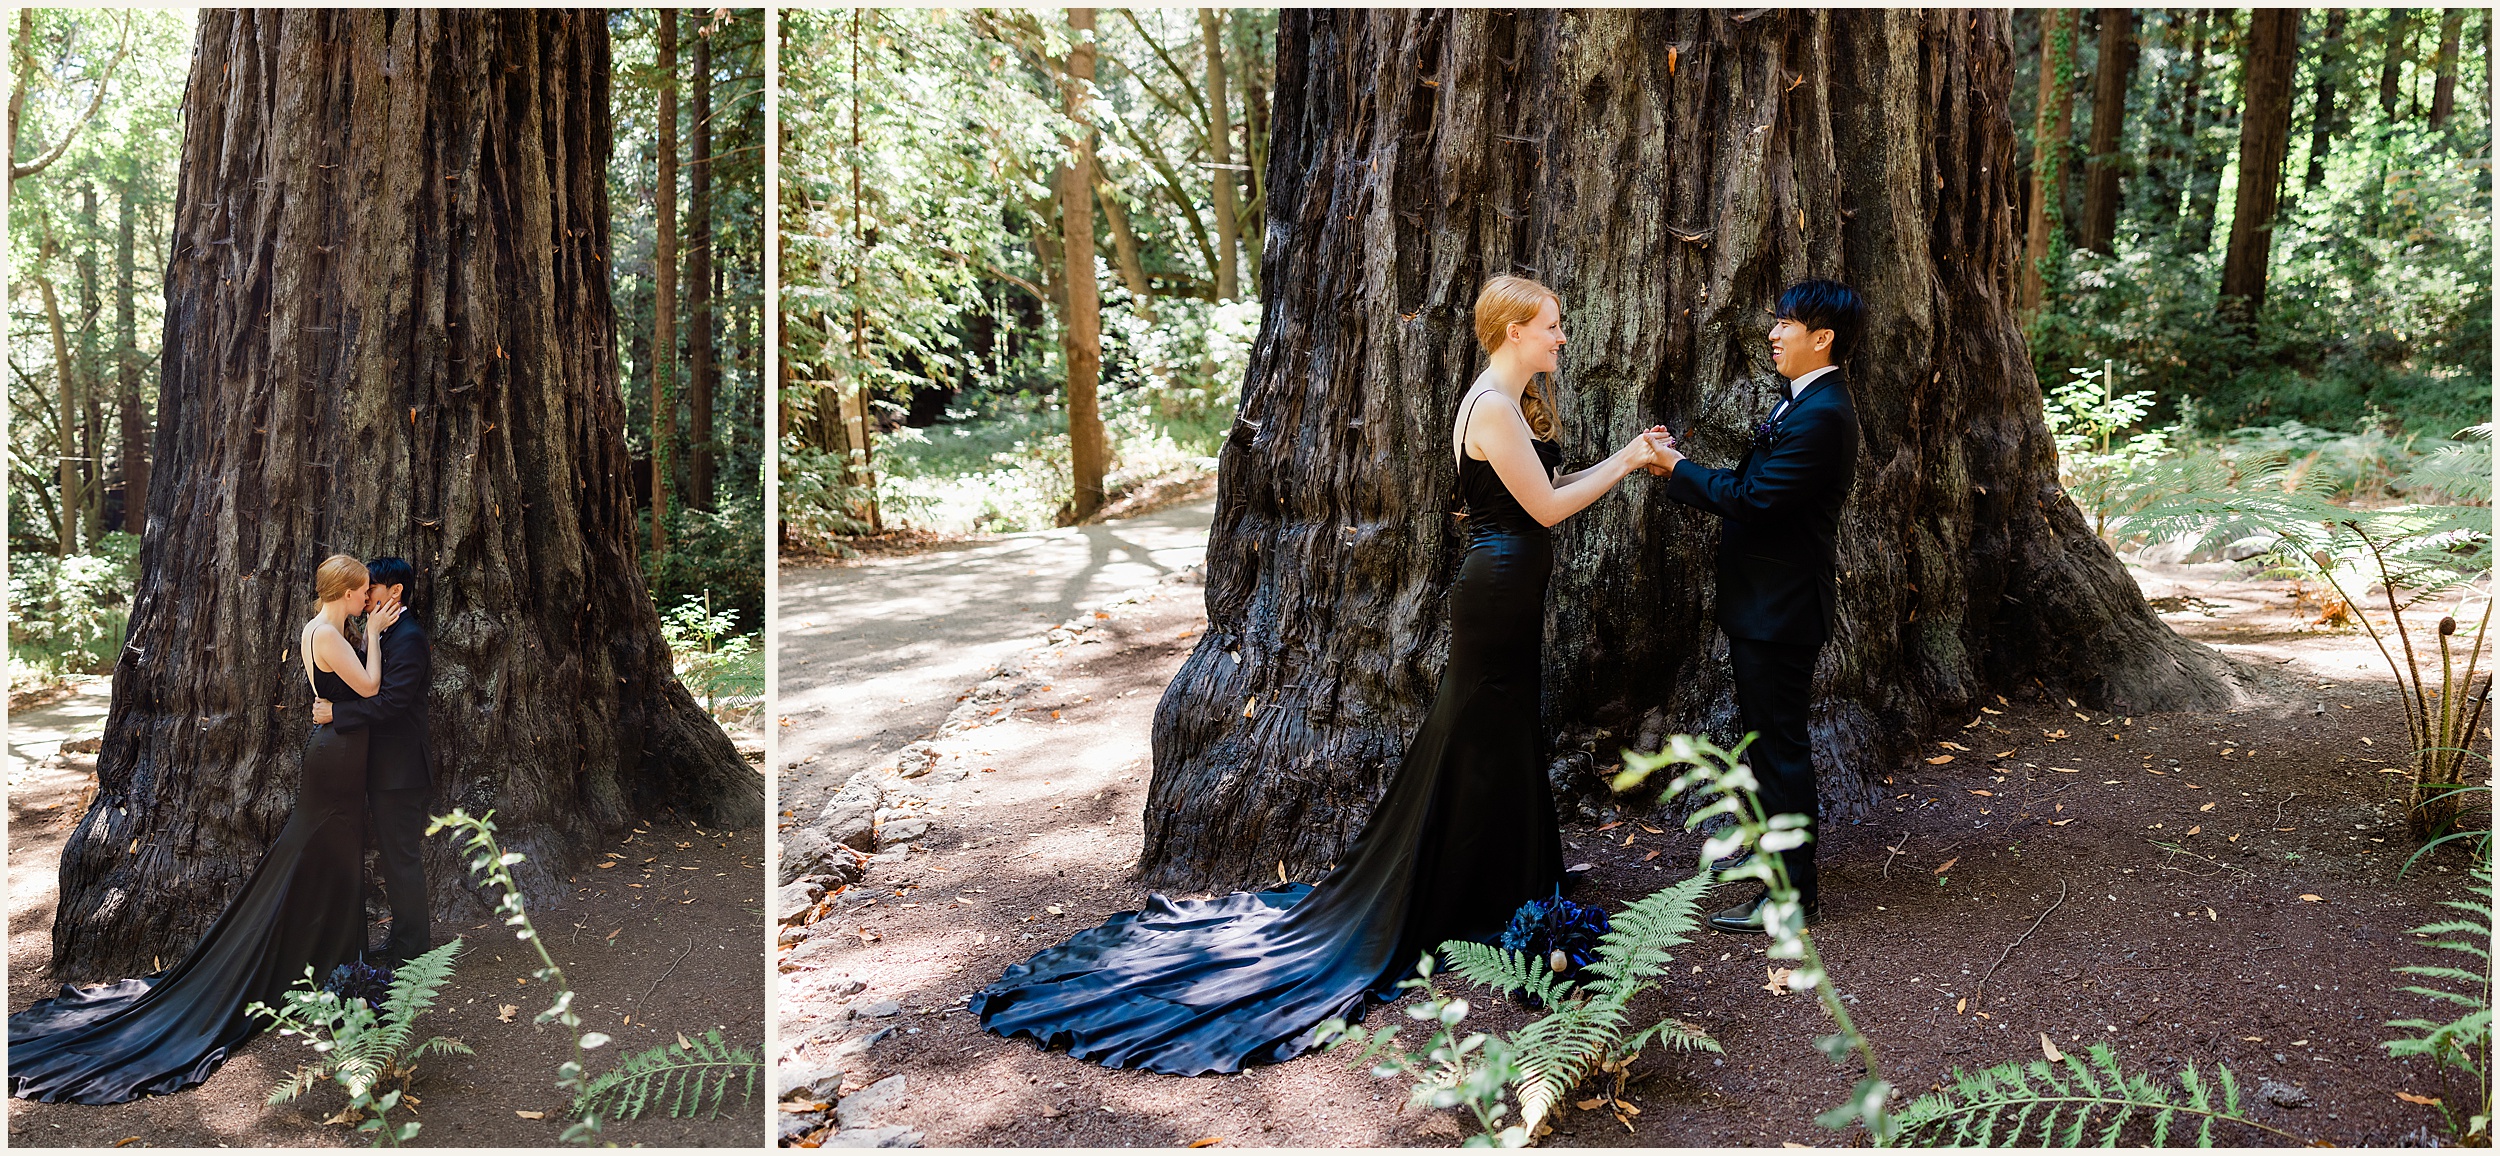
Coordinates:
1825 305
390 572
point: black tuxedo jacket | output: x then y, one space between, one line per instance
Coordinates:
399 756
1780 511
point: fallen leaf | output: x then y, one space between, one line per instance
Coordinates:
2002 755
2308 898
505 1011
1776 980
1589 1103
1648 857
2206 807
2410 1098
1627 838
1206 1141
1651 830
2059 822
2211 917
1990 710
1054 909
2068 770
1945 866
1611 826
1989 794
1954 747
2194 830
1961 1005
2048 1048
2054 735
529 1115
1939 760
2365 741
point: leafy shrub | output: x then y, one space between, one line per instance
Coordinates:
718 552
712 659
1451 1072
69 615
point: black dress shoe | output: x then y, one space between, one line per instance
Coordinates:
1746 918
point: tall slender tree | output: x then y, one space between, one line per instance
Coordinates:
90 364
2051 130
2444 90
1220 149
2217 113
2267 69
702 369
664 283
1081 329
126 381
2395 48
2112 77
388 330
2329 66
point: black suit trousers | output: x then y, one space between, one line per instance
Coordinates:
1774 691
399 818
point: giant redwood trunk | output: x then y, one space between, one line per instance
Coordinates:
1667 172
387 331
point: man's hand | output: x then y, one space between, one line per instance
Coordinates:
1663 451
321 712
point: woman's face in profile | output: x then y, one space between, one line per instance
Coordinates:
1540 339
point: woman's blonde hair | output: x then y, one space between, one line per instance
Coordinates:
1510 300
339 574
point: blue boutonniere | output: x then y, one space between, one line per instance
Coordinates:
1765 434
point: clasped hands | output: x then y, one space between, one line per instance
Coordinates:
1655 450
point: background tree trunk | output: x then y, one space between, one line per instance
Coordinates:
2116 71
2048 154
65 442
702 363
90 364
126 382
1667 171
2266 73
2444 90
1220 150
1081 333
2394 50
387 331
1124 249
2208 155
2330 64
664 284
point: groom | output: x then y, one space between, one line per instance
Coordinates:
1780 511
399 760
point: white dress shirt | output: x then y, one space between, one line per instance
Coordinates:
1797 389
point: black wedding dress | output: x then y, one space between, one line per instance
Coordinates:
303 906
1466 834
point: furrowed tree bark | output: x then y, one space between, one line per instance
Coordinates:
2266 74
388 331
2322 99
1668 172
2444 89
2111 78
1081 331
702 365
1220 149
2048 156
664 284
128 387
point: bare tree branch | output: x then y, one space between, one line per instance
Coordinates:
17 98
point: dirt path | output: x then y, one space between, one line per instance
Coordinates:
874 652
2228 879
670 942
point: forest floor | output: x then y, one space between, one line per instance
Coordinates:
2212 887
669 943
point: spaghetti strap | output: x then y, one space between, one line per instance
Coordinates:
1466 421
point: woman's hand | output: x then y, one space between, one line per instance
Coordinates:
382 618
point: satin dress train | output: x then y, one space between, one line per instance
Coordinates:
303 905
1465 834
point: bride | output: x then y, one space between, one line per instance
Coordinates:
302 907
1465 834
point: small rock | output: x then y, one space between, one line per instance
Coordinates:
795 1126
850 817
898 831
877 1009
802 849
915 760
2250 547
2285 1095
819 1083
890 1136
795 898
859 1045
845 985
861 1109
793 936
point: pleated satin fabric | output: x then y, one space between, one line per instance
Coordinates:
1465 834
303 906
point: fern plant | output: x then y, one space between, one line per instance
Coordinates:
688 1077
1584 1035
362 1047
2038 1103
2463 1043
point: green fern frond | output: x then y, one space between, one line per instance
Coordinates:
689 1077
2100 1098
